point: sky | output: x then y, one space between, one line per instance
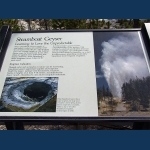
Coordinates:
118 58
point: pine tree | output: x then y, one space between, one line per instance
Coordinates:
137 92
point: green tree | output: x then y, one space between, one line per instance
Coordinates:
13 23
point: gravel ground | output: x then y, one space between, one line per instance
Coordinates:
75 127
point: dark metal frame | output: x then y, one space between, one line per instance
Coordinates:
61 119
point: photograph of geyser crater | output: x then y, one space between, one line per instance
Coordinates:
29 94
122 76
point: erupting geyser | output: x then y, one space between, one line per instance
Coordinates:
122 59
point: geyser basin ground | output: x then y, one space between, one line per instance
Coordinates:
30 94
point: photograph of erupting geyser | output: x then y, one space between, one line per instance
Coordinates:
28 94
122 75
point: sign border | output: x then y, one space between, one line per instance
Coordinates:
58 119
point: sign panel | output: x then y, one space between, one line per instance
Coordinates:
78 74
49 74
122 74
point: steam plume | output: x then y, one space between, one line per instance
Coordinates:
122 59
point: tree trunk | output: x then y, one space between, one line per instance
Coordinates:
29 24
46 27
136 23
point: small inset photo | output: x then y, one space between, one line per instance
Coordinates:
29 94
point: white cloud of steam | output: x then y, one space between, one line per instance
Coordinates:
122 59
99 76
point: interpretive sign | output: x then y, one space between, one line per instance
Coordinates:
99 73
